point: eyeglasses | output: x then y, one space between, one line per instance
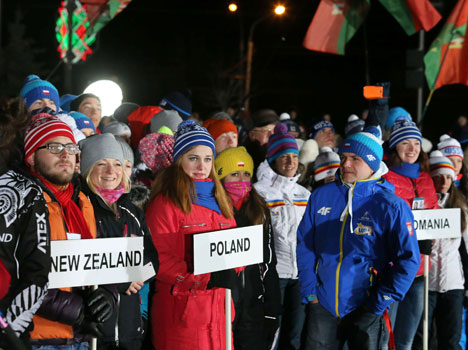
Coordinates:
57 148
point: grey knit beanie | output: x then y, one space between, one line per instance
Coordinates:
98 147
168 118
126 149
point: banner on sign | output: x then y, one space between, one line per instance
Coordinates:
227 249
437 223
86 262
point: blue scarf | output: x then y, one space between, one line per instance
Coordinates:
205 196
408 170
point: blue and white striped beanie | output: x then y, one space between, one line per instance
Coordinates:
190 134
403 130
367 145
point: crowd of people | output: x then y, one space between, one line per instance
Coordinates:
342 266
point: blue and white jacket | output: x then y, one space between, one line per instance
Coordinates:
357 246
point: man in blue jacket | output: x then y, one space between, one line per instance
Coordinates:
357 251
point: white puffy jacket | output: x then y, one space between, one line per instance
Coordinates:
446 271
287 202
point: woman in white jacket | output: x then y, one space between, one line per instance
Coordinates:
446 290
277 184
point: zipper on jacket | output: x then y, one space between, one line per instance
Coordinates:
194 225
223 224
117 321
339 264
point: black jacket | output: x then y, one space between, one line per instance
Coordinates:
259 294
126 323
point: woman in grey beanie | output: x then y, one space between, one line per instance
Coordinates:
107 186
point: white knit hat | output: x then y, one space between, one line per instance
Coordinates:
450 147
441 165
326 164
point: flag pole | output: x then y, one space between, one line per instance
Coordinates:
429 98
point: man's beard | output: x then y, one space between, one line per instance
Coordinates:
60 179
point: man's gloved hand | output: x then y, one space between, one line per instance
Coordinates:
270 326
223 279
100 305
87 326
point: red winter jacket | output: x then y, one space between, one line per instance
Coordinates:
185 315
4 279
408 189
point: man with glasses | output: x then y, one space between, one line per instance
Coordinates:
50 154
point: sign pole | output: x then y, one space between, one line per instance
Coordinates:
94 339
227 307
426 303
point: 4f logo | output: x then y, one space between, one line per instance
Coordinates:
324 210
370 157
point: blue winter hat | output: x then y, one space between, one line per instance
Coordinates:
65 101
82 121
35 89
323 124
394 114
190 134
403 130
367 145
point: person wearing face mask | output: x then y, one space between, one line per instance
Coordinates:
107 185
259 305
446 282
409 174
286 199
187 198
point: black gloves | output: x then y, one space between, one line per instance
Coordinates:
270 326
100 305
91 328
223 279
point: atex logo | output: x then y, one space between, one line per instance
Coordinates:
324 210
370 158
6 237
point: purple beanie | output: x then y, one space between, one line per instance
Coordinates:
280 143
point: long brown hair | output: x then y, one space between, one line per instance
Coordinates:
457 200
178 187
394 160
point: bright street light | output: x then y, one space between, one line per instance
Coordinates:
232 7
109 93
280 9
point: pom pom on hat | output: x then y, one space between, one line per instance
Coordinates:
280 143
190 134
233 159
440 164
354 125
450 147
35 89
284 116
326 164
403 130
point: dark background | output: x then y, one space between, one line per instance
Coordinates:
157 46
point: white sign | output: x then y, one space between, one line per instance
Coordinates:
226 249
86 262
437 223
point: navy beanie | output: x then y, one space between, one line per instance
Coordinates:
35 89
75 104
190 134
366 145
323 124
179 102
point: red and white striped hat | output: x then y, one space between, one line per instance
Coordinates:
42 128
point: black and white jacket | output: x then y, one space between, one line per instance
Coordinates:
24 248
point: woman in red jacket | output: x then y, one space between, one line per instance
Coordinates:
187 198
409 168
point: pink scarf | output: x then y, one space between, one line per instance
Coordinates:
111 196
238 191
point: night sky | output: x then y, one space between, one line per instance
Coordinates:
155 47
